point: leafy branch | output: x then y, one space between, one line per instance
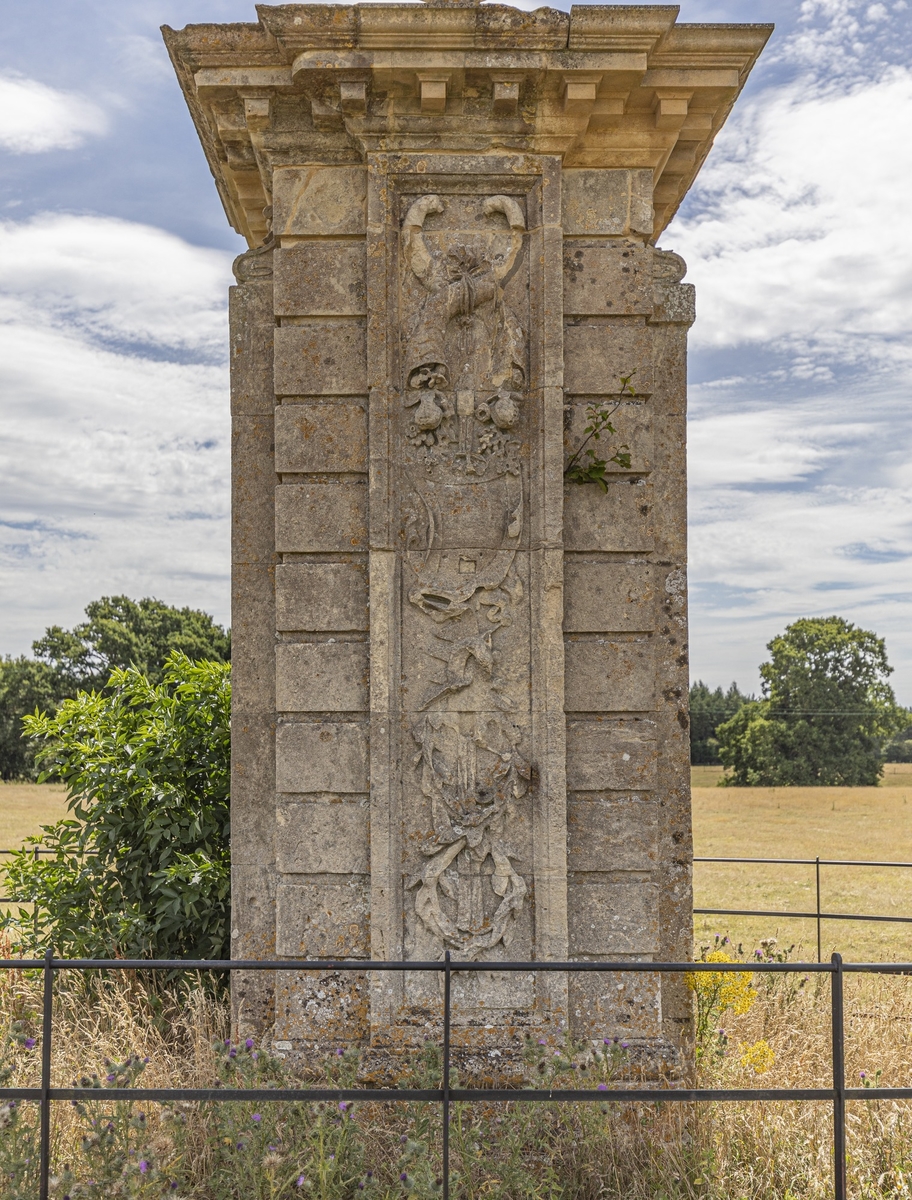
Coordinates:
584 466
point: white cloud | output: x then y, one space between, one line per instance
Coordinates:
114 463
35 118
800 448
115 280
800 240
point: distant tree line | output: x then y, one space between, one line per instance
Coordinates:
117 633
827 715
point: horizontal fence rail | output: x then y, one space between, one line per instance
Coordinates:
446 1095
817 915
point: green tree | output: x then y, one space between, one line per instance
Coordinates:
899 748
25 685
141 867
827 712
120 632
117 632
708 710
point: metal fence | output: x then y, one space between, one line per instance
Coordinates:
446 1095
817 915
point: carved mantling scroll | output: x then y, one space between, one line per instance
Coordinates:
465 370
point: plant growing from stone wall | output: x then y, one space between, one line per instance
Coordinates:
584 465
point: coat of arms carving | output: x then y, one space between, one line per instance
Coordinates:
463 394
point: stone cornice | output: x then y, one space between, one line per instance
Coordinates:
603 86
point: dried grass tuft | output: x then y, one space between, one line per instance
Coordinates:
739 1151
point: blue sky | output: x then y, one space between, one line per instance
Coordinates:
115 261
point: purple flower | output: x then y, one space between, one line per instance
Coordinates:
300 1182
249 1043
542 1042
343 1107
862 1074
602 1087
403 1176
624 1045
402 1140
29 1043
256 1117
232 1053
254 1055
110 1078
143 1166
227 1041
339 1052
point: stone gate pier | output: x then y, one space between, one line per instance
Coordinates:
460 681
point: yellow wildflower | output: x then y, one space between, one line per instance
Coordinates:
718 991
759 1056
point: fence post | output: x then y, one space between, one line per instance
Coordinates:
44 1161
446 1076
839 1138
818 908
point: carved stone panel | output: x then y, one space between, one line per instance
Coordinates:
468 433
465 688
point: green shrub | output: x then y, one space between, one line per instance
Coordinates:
141 868
118 632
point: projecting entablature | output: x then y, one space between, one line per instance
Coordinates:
619 86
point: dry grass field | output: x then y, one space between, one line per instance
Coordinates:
848 823
25 807
860 823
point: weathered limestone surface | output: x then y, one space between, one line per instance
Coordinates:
460 684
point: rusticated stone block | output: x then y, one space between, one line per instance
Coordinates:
608 597
617 519
611 754
334 1003
612 833
253 893
313 517
321 597
252 327
253 787
616 1006
321 358
607 203
608 918
322 677
252 484
609 676
633 431
328 757
607 278
316 438
323 918
319 201
253 636
323 837
320 279
598 356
